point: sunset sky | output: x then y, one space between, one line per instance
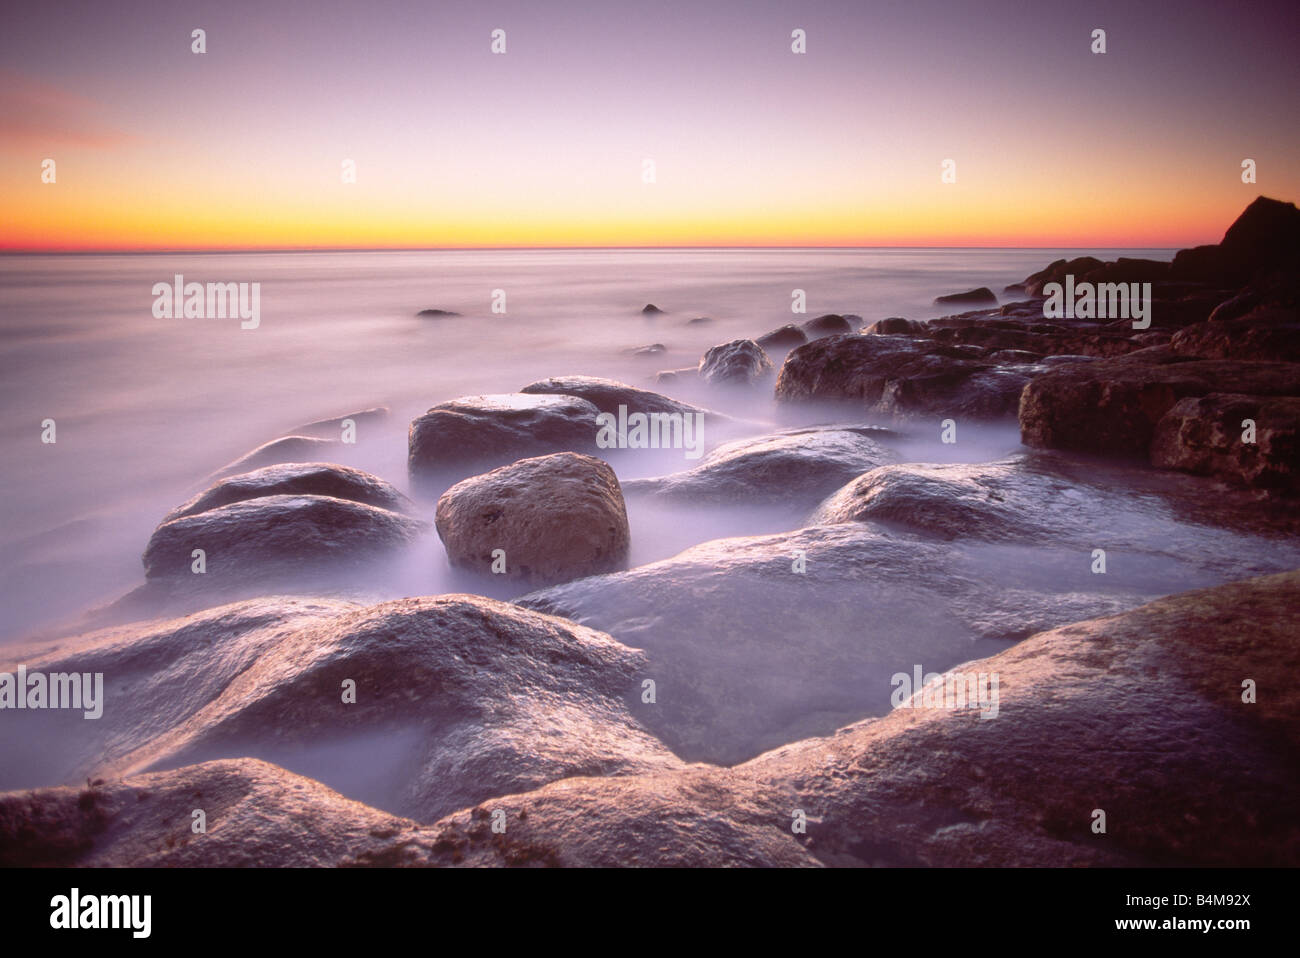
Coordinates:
242 147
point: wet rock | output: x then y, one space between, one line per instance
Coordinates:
741 362
696 818
686 373
748 652
297 479
279 534
608 394
650 309
896 326
454 699
257 815
898 376
1196 777
831 324
285 449
974 297
474 433
787 337
157 674
1204 435
1268 334
331 428
1056 272
1112 406
436 313
792 468
554 517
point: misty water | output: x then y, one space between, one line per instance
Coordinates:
147 409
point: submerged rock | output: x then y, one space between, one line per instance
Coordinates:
608 394
436 313
331 428
468 435
290 479
286 449
976 297
420 706
832 324
542 520
1141 715
787 337
758 641
282 534
794 467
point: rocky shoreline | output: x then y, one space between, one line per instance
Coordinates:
738 703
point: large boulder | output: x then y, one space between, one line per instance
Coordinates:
1264 238
741 362
468 435
297 479
791 467
554 517
244 541
419 706
1144 716
1207 435
1112 407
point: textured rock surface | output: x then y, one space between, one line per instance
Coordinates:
1113 407
457 698
1205 435
555 517
791 467
1139 715
748 653
278 534
297 479
741 362
608 394
286 449
459 438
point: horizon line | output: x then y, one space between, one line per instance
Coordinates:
486 249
